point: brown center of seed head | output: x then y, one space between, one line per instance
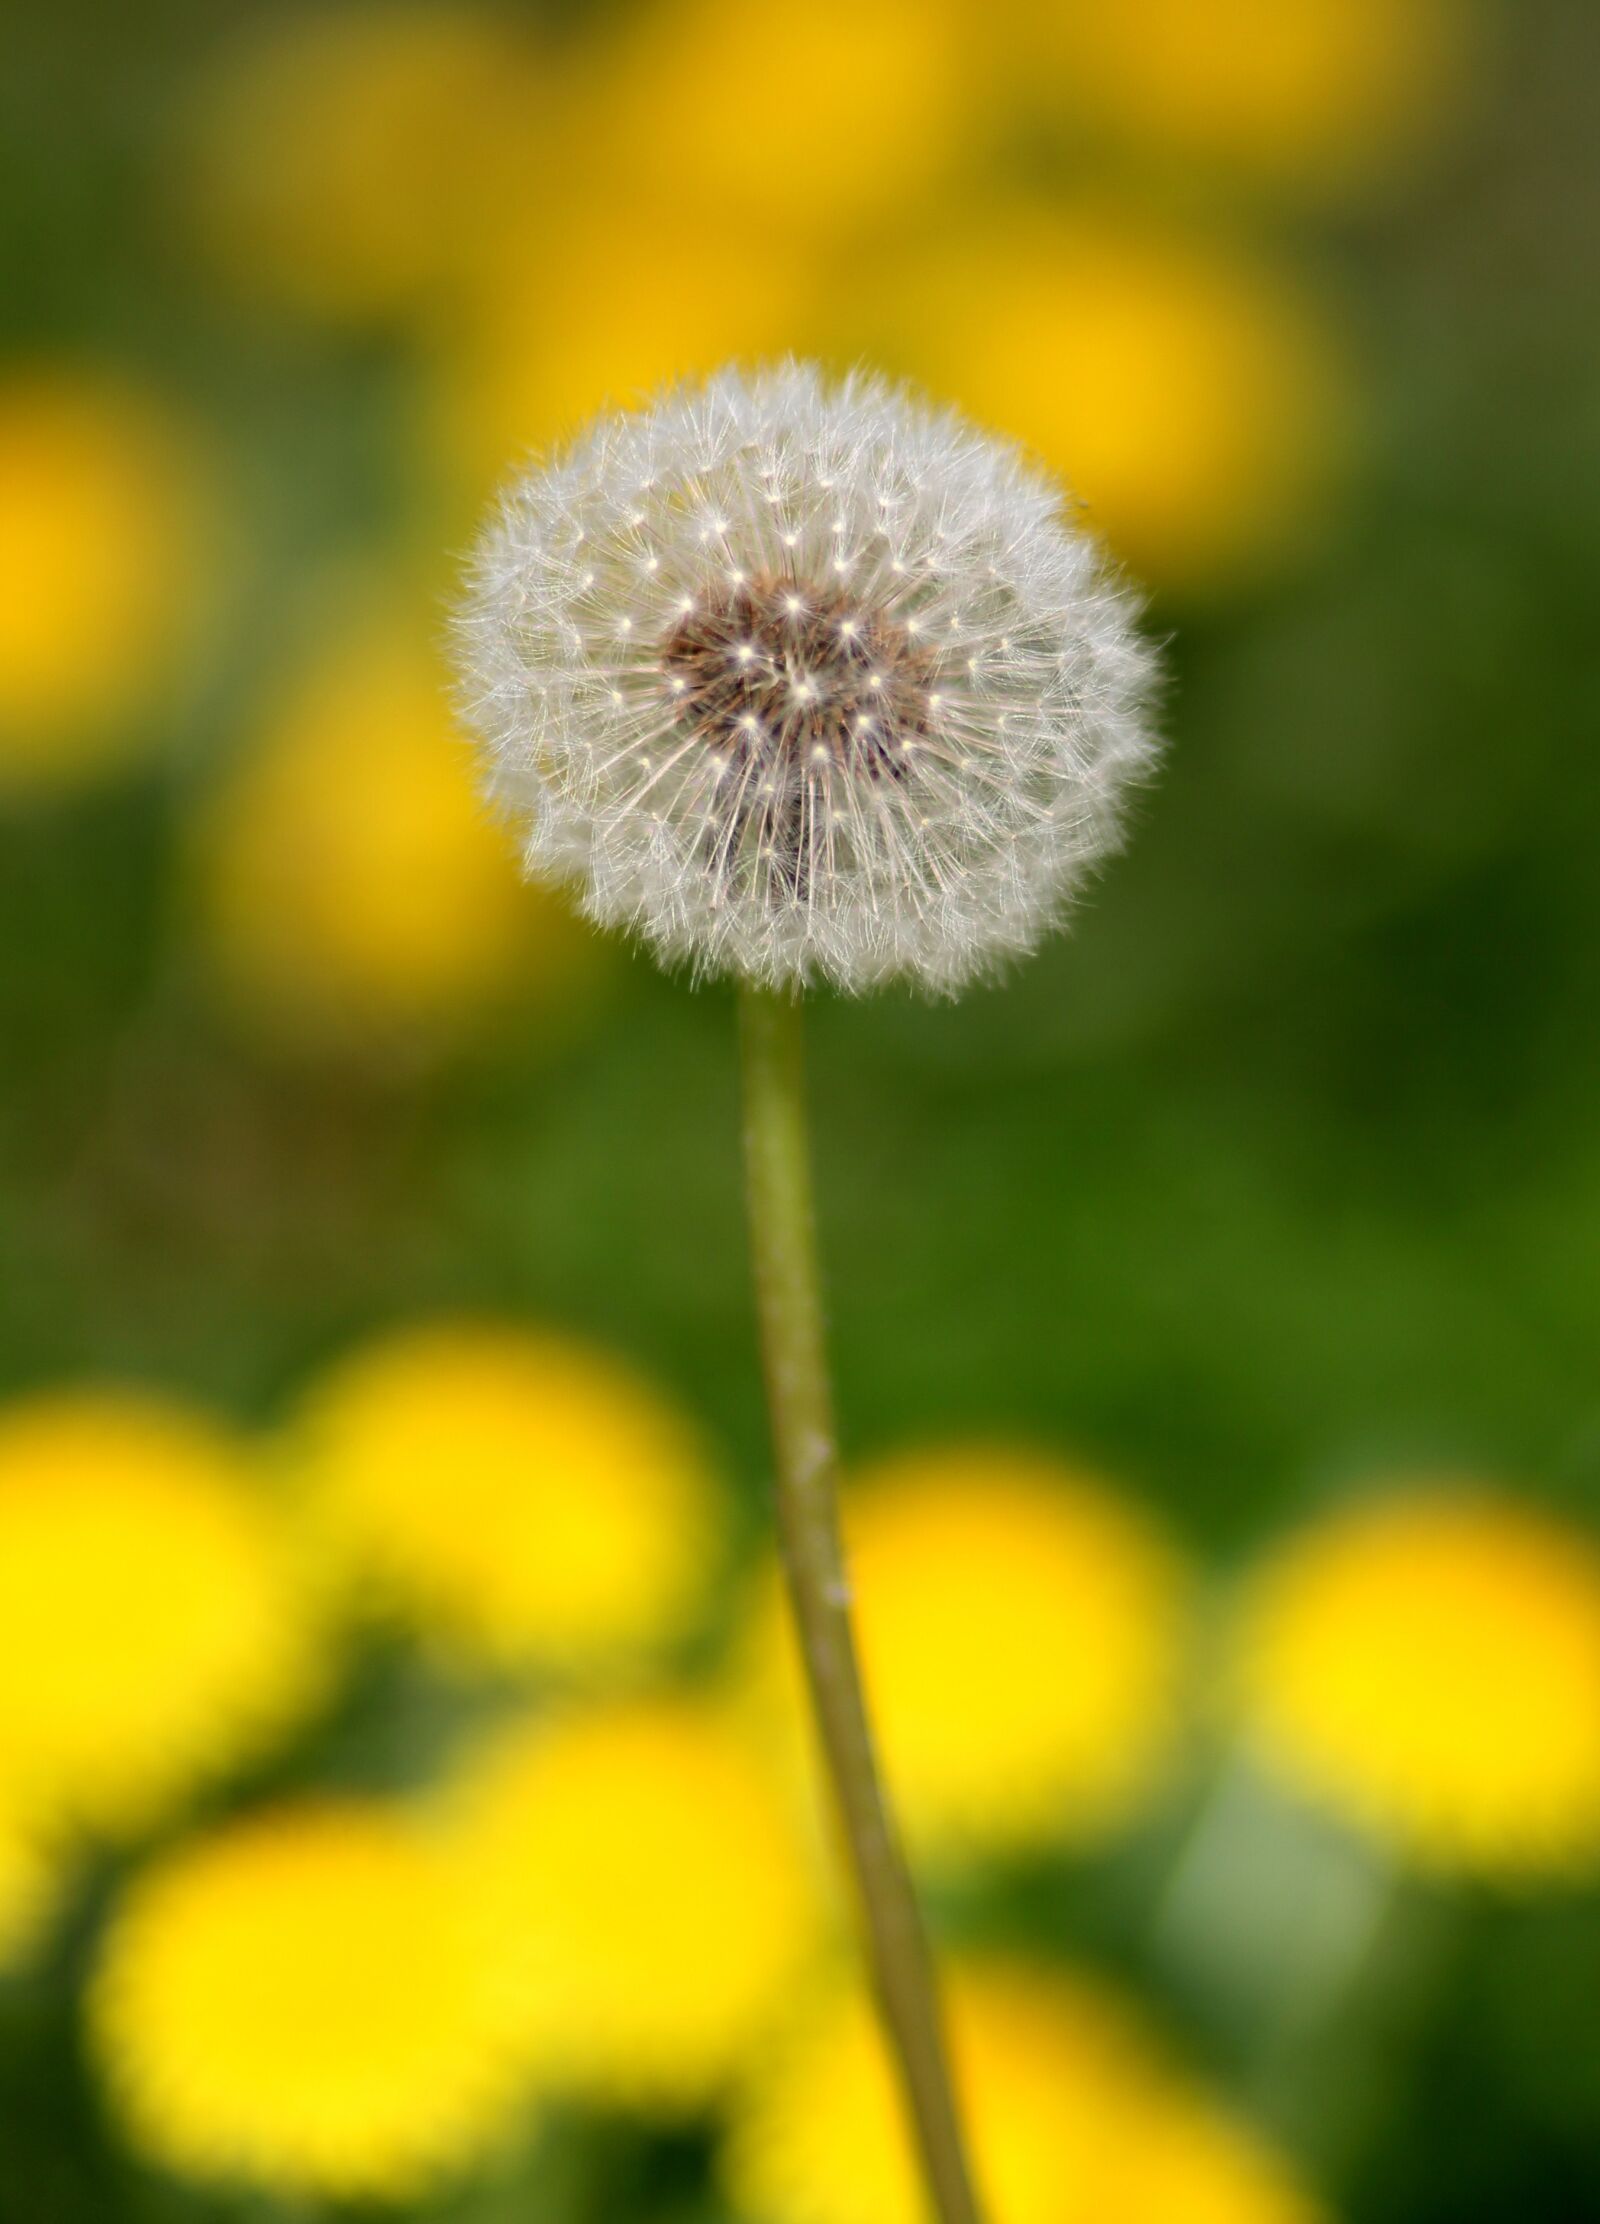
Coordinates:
782 676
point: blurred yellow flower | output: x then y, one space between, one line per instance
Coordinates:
1193 2162
102 504
1023 1636
604 306
352 886
521 1496
1430 1664
816 2134
153 1626
1072 2116
866 102
345 163
30 1880
647 1899
1316 93
303 2001
1186 394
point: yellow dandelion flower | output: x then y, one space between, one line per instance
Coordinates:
349 882
1193 2162
343 163
881 93
1023 1635
30 1883
518 1495
598 309
647 1897
152 1620
1072 2115
1316 95
1187 395
101 512
817 2133
1430 1665
303 2001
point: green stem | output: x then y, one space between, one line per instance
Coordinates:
789 1301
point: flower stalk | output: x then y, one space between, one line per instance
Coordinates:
789 1304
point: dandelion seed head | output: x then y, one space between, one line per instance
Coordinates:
832 692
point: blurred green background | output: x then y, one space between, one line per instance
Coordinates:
1279 1174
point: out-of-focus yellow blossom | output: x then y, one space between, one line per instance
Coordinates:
1430 1665
102 506
1072 2117
1192 2163
345 163
153 1623
1316 93
353 886
860 104
523 1497
30 1879
1023 1636
817 2132
1187 395
647 1900
605 307
303 2001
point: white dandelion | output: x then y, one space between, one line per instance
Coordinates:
803 682
807 682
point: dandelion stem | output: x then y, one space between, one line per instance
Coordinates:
789 1303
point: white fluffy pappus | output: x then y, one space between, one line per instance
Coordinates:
804 681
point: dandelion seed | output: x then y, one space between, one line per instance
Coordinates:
885 555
